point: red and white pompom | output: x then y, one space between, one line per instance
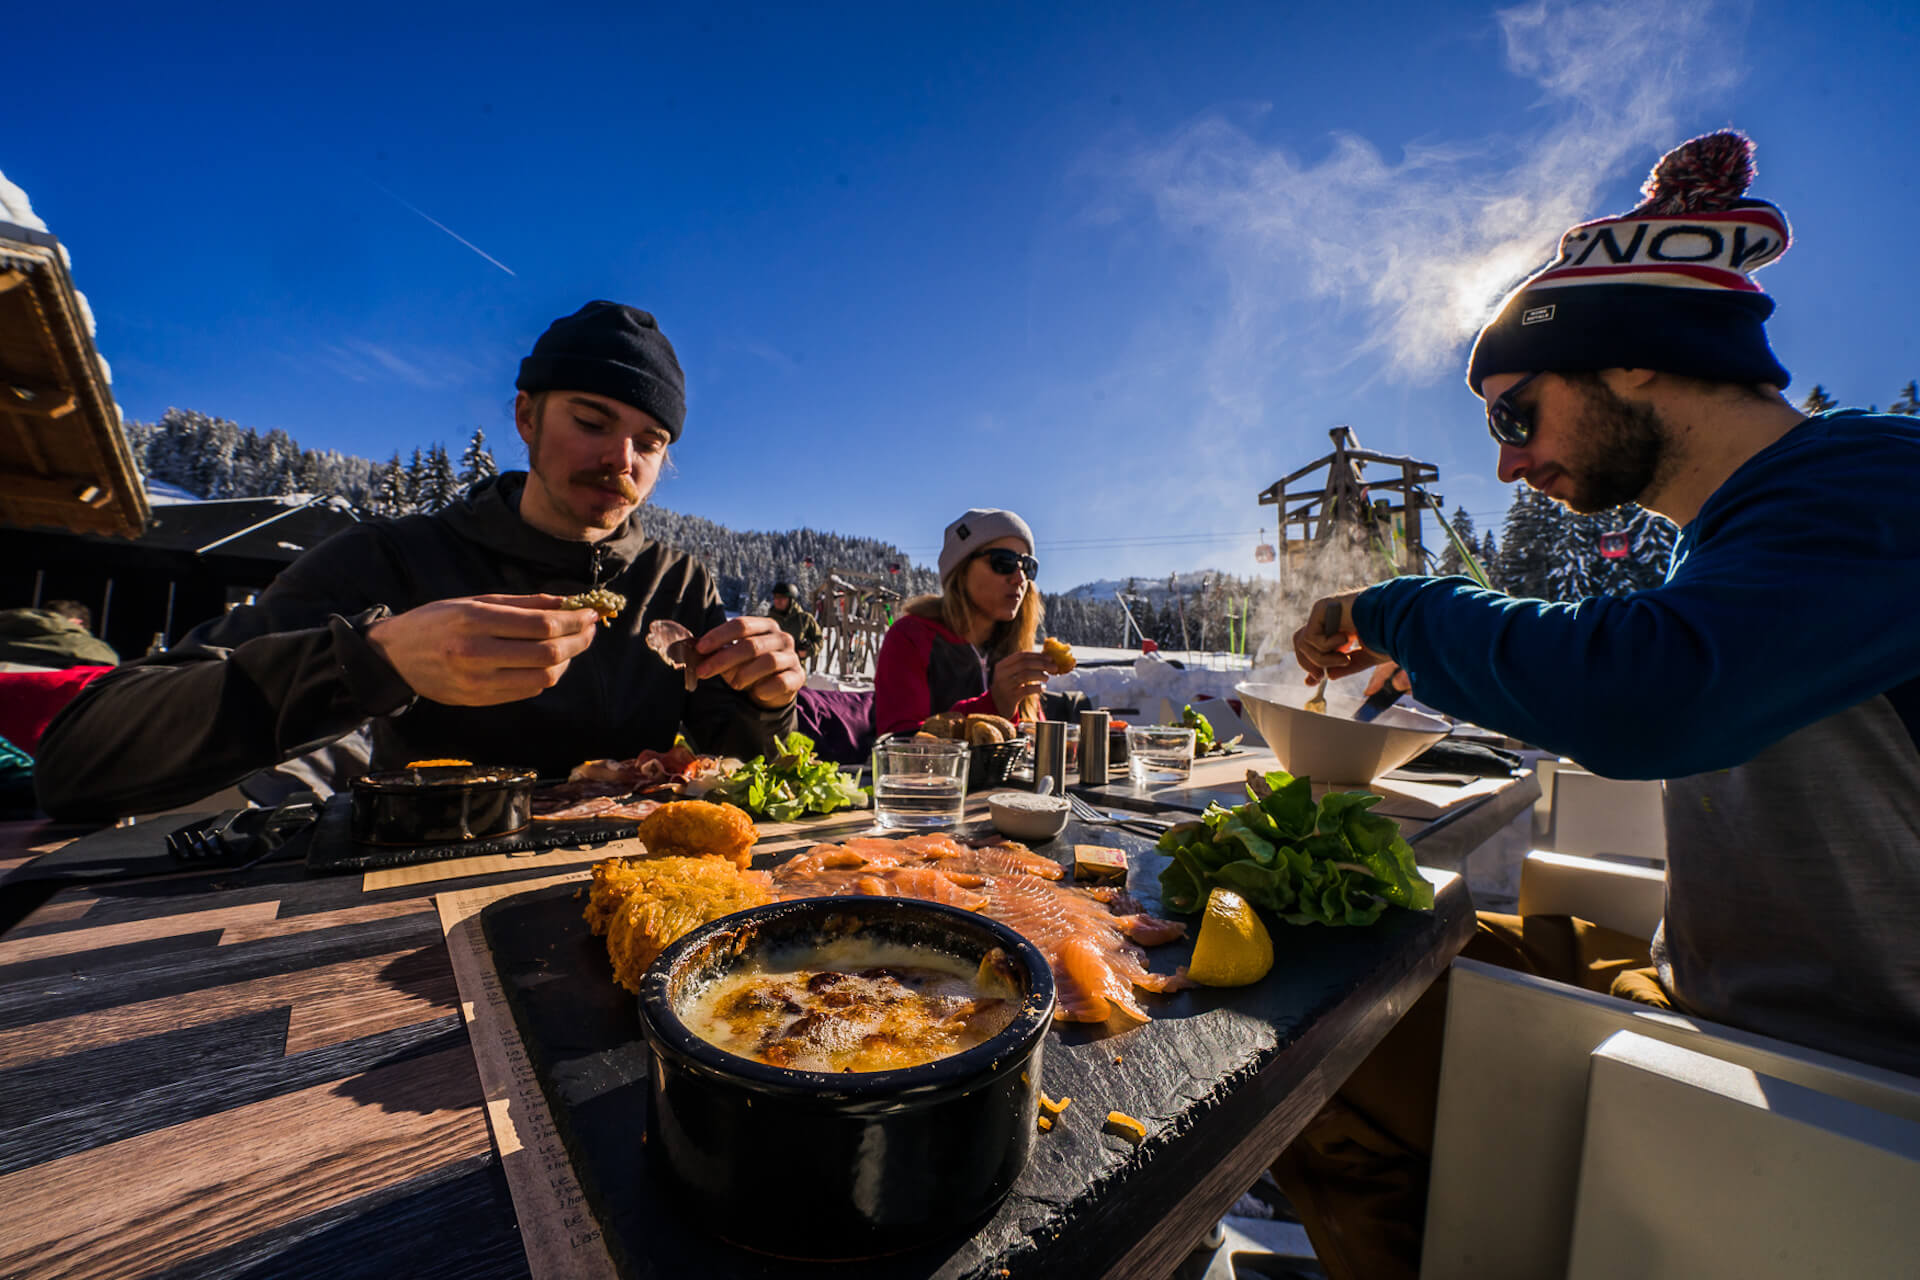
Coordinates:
1707 174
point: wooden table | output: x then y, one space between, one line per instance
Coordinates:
269 1074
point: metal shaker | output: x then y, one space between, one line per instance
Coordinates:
1050 754
1094 726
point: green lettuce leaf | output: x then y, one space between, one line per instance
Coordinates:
1330 863
792 784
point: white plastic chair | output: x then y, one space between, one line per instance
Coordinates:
1601 850
1516 1112
1597 816
1614 894
1696 1168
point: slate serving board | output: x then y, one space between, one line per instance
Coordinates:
333 848
1194 1075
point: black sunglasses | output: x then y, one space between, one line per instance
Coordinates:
1505 420
1003 561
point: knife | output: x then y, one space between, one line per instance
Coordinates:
1378 702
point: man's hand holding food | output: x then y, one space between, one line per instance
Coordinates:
755 656
479 651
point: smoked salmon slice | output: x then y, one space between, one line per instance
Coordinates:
1091 937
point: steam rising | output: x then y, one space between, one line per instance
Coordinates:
1424 248
1329 568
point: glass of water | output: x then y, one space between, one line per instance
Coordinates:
1158 755
919 782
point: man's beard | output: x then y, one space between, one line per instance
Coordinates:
1623 452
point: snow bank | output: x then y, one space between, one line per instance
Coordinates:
1149 679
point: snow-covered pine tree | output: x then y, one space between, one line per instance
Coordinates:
416 478
1490 556
391 491
439 487
286 480
1450 559
1574 569
313 477
1817 401
476 463
1909 401
1527 543
1652 538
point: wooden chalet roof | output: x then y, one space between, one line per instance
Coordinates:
64 460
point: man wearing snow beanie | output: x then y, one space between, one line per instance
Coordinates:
460 633
1772 682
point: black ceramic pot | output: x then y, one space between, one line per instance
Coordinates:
805 1164
438 804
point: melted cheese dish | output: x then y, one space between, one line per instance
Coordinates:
854 1006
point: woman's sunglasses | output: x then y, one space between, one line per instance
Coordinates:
1505 420
1004 561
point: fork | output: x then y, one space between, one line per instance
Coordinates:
1329 626
1087 815
204 840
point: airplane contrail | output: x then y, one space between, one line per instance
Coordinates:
450 231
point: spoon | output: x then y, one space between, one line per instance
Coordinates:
1329 626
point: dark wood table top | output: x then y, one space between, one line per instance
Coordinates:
209 1074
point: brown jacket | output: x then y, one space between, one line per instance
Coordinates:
272 680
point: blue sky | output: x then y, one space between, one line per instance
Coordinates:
1116 266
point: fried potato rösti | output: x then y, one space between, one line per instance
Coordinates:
667 898
607 604
689 828
613 880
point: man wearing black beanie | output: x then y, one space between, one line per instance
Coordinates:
1771 683
451 631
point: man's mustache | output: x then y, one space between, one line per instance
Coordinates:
609 479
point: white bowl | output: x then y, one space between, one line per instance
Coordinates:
1334 747
1026 816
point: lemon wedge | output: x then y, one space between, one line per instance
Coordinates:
1233 949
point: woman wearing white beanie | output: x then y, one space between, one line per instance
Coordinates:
972 647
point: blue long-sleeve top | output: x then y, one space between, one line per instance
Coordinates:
1793 594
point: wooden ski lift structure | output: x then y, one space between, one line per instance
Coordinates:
854 611
1379 515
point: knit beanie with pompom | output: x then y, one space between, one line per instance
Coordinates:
1668 286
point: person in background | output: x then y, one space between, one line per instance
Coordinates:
451 632
796 622
1772 682
972 648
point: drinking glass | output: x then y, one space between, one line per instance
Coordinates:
919 782
1158 755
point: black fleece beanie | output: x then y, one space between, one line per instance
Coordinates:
612 350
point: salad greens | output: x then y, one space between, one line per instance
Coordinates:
1204 743
1327 863
792 783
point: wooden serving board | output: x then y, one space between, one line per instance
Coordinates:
1184 1075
